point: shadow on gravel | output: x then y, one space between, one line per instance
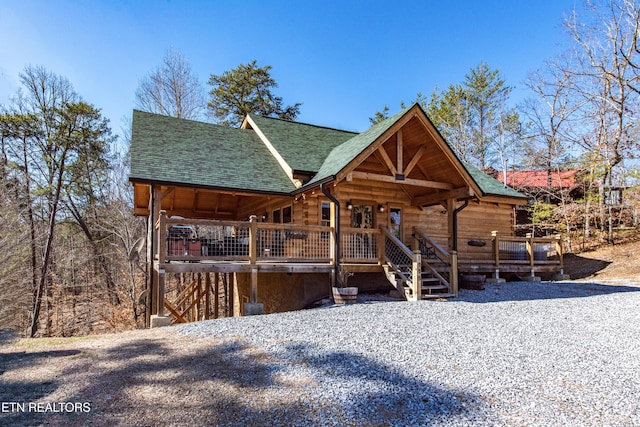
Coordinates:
234 384
15 396
526 291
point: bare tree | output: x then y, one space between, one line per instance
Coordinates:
606 39
172 89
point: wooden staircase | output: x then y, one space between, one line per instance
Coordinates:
414 277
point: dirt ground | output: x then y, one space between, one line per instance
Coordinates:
117 380
606 263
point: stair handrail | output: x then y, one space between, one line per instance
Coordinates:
444 254
450 259
414 256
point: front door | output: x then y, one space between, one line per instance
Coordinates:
362 216
395 222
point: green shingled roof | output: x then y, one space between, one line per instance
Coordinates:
304 147
343 154
177 151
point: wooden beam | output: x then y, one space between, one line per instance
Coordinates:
166 192
436 198
373 147
387 160
399 152
196 197
414 160
406 181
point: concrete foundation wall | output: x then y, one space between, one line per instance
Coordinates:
281 291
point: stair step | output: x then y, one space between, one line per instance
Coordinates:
433 287
434 296
430 279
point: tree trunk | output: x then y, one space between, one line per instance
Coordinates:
44 271
111 287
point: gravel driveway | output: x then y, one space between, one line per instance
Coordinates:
534 354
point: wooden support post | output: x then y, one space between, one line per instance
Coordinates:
416 275
496 254
207 301
160 245
151 291
453 273
160 292
559 252
451 207
253 256
162 237
230 286
253 297
253 239
216 295
529 244
198 294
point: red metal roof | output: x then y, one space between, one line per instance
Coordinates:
563 179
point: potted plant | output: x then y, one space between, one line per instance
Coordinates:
343 294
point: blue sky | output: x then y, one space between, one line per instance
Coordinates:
344 60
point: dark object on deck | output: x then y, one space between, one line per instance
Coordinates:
478 243
472 281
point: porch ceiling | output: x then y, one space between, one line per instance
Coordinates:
196 203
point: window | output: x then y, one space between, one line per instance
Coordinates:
286 215
325 214
395 222
282 215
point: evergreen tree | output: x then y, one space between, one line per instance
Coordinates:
247 89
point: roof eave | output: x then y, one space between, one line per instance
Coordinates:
236 190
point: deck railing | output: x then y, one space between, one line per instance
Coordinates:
293 243
360 245
212 240
526 250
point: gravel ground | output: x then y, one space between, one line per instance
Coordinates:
514 354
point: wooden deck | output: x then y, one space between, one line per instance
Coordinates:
210 246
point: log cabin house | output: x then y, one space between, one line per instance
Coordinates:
289 209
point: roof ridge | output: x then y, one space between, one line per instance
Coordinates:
190 120
304 123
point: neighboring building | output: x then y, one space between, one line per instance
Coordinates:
288 208
541 184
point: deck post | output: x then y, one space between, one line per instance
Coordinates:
416 275
333 255
216 294
253 256
559 252
496 254
253 306
529 243
381 248
161 242
453 273
207 290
